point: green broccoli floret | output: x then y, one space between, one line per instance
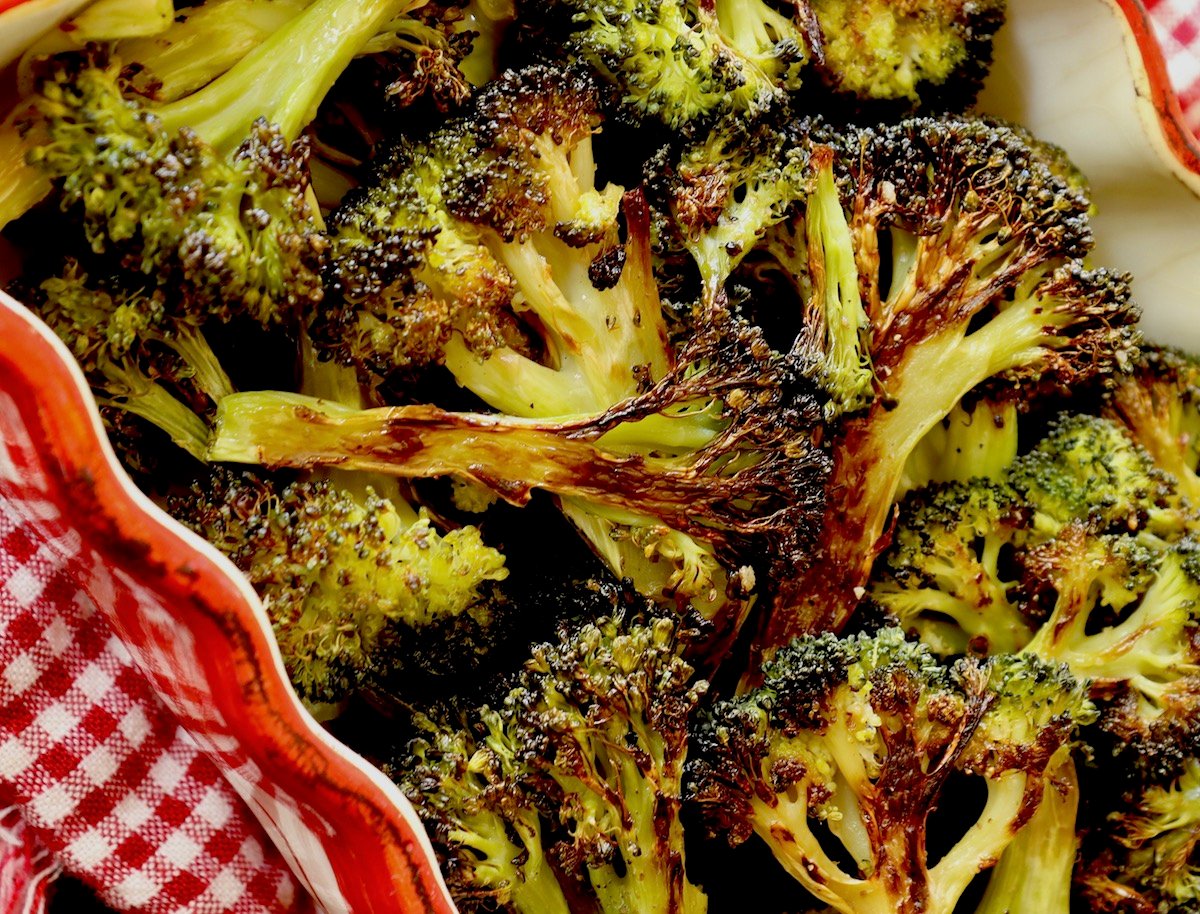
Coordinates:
984 289
221 235
340 575
583 766
684 62
914 49
1088 468
859 735
949 574
1158 404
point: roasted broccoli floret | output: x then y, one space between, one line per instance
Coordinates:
341 576
684 62
220 235
858 736
1158 403
915 50
136 357
1088 468
570 794
985 285
488 247
950 573
1150 863
1123 617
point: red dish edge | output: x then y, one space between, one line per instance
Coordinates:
1182 143
380 861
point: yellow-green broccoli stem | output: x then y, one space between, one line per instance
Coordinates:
979 442
1033 875
284 78
22 185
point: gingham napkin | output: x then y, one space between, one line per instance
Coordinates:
1177 24
96 775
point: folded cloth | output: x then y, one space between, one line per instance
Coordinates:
1177 26
93 767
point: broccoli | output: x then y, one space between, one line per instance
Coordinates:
858 736
1145 657
985 285
221 235
1157 404
340 576
1088 468
977 440
569 795
1150 862
136 357
488 247
683 62
948 574
918 51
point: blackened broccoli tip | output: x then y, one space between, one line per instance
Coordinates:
340 576
920 52
570 792
221 235
985 292
948 573
859 735
1157 405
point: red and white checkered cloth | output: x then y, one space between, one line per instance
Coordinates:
102 772
1177 24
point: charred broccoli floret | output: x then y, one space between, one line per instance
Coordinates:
221 235
570 793
949 574
340 576
1150 863
985 285
1158 403
684 62
909 50
488 247
860 735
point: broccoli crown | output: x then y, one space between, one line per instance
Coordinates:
584 763
339 576
222 236
860 734
985 291
949 574
683 62
1149 860
885 50
1088 468
410 259
1158 404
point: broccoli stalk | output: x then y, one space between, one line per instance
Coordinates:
860 735
986 285
1033 875
972 442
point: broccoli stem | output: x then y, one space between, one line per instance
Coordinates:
130 390
21 185
286 76
1034 872
870 458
